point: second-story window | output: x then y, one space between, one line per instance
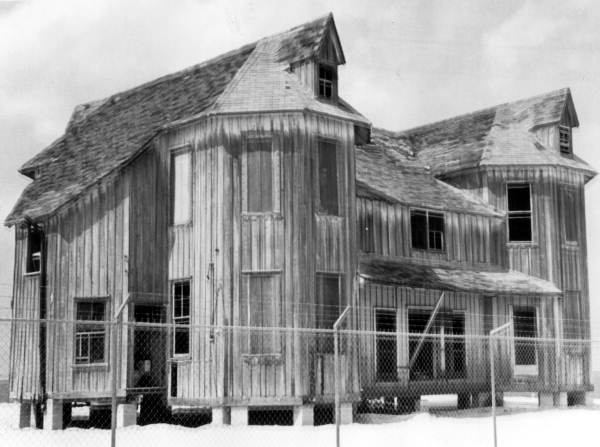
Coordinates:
328 178
564 140
34 250
570 217
259 178
427 230
181 317
181 188
519 212
327 79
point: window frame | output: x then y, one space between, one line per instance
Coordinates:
247 137
320 209
519 213
525 369
565 148
326 83
33 258
568 192
173 154
390 310
427 212
324 343
105 301
179 321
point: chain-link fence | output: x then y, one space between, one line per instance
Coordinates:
171 378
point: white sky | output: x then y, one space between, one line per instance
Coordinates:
408 63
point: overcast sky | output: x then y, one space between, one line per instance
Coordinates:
408 63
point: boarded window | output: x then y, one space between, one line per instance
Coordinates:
367 223
327 79
328 309
328 178
519 212
181 317
524 328
90 337
564 140
568 198
34 250
260 312
427 230
181 188
385 326
259 186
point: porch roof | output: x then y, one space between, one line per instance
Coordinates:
456 279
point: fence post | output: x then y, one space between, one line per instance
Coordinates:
336 372
493 332
114 347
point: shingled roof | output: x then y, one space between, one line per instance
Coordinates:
104 135
429 277
496 136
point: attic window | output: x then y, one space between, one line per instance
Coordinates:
427 230
564 136
519 212
34 250
327 80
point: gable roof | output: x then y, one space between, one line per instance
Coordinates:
386 172
104 135
429 277
500 135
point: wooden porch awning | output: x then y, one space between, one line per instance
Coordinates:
428 277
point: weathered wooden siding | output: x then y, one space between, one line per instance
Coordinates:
227 243
470 239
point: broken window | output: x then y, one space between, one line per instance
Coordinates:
328 309
385 326
259 185
90 338
564 137
519 212
260 312
34 250
327 78
181 317
524 321
427 230
181 188
328 178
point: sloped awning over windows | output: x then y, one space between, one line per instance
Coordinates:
429 277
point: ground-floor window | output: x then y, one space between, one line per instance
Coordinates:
525 327
441 352
385 326
261 313
90 337
328 308
181 317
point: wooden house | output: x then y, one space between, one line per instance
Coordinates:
245 193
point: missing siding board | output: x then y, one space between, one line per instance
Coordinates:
519 212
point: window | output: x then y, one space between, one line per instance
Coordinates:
385 326
34 250
328 309
261 313
328 178
427 230
570 221
573 321
181 317
519 212
327 78
181 188
564 140
90 338
367 227
259 186
525 352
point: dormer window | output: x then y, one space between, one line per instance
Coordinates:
564 137
327 79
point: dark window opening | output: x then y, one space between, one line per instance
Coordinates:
427 230
90 337
519 212
385 326
328 309
525 327
34 251
564 136
259 192
422 368
327 80
328 178
181 317
149 313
